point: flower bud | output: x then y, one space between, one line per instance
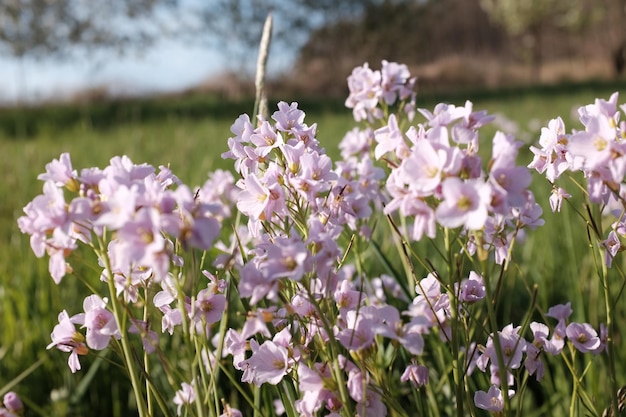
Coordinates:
13 403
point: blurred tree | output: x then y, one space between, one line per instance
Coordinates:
529 20
235 26
615 29
55 27
408 31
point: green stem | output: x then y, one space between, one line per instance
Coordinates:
118 313
334 354
609 341
457 365
257 402
146 359
493 323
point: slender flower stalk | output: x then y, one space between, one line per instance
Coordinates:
120 319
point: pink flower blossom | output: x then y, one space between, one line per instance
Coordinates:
184 396
230 412
472 289
65 338
288 117
416 374
491 400
464 204
253 197
269 363
583 337
60 171
13 403
365 92
99 322
312 384
556 198
208 309
359 332
149 338
560 312
390 139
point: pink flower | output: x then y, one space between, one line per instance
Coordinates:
472 289
266 139
65 338
560 312
99 321
443 114
235 344
356 142
396 82
357 384
552 346
184 396
288 117
512 345
149 338
416 374
491 400
464 204
553 158
423 170
533 363
60 171
13 403
583 337
268 364
390 139
209 308
142 241
365 92
359 332
255 284
371 406
119 208
556 198
52 229
253 198
230 412
312 384
511 182
346 297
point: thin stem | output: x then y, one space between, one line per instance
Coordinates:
493 323
334 354
457 365
146 359
609 341
118 313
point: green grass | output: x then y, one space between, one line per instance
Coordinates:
190 136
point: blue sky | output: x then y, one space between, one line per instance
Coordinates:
168 66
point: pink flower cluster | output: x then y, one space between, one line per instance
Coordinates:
132 216
518 351
134 203
295 302
599 152
437 178
285 172
392 85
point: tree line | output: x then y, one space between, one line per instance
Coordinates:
331 37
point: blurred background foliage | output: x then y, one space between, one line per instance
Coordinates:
449 44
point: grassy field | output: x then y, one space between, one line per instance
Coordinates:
190 136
